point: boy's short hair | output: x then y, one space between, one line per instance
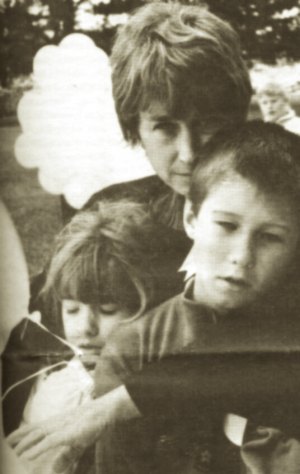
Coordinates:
264 153
106 256
272 89
182 56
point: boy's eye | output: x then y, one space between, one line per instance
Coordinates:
226 225
108 308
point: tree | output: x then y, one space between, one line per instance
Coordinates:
268 28
26 26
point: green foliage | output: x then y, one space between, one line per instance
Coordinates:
269 29
10 97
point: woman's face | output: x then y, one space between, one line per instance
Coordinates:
172 144
88 327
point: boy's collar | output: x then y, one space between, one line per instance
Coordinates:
188 266
188 290
188 299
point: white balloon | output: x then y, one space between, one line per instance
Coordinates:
28 111
44 67
26 152
70 127
76 40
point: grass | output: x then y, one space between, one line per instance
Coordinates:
36 214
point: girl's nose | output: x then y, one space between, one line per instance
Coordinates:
91 324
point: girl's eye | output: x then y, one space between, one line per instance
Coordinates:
72 310
228 226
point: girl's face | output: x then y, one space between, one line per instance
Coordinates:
88 327
244 243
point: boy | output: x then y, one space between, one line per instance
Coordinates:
275 107
243 216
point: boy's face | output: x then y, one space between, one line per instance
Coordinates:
244 242
272 107
171 144
88 327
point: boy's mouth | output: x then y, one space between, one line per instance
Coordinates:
239 283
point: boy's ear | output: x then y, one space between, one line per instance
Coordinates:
189 219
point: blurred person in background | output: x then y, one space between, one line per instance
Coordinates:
275 107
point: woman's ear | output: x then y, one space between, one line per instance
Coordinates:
189 219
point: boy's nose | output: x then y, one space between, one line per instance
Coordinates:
243 252
185 144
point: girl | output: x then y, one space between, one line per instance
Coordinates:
106 267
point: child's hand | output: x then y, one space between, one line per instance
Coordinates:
67 435
72 432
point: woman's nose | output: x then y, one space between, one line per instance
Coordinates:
185 144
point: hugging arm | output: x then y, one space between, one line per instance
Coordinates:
263 387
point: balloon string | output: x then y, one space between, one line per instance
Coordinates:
41 371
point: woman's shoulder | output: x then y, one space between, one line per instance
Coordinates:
140 190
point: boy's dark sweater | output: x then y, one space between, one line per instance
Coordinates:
251 369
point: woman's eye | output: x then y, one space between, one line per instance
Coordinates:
270 237
228 226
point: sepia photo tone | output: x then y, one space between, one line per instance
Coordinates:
150 232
